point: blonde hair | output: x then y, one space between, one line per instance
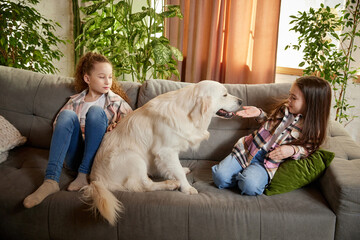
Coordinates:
86 65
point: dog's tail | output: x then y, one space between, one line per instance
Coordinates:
101 199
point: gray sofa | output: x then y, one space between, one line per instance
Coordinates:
326 209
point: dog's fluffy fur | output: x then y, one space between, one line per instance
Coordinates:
148 141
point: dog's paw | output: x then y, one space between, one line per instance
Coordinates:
173 184
189 191
186 170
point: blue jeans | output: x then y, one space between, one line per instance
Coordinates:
251 180
67 143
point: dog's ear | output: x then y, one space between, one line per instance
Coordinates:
205 104
201 107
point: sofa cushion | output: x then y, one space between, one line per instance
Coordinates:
294 174
211 214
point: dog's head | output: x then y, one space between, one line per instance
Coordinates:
195 102
212 99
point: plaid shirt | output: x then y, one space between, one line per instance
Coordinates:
115 107
247 147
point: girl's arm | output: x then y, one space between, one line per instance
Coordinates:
282 152
251 111
285 151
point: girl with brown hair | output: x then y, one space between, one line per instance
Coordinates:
294 129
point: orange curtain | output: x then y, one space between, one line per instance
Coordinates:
230 41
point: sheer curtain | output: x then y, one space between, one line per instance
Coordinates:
230 41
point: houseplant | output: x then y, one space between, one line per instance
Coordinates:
28 39
129 39
319 30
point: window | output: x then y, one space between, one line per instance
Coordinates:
288 61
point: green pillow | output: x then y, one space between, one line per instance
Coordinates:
294 174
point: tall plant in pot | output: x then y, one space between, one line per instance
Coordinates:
130 39
319 30
28 40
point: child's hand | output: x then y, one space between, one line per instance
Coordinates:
248 112
281 152
111 127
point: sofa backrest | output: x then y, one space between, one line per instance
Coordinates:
31 101
223 133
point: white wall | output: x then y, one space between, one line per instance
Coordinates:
61 11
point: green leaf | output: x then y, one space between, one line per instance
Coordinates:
93 8
107 22
177 53
168 14
162 54
95 33
89 23
176 9
137 16
122 8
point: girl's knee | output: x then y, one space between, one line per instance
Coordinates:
66 116
248 187
96 109
221 178
96 113
252 182
225 172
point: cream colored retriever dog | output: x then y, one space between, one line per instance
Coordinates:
148 141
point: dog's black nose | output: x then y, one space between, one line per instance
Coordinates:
240 101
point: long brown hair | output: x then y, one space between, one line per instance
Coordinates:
86 65
317 94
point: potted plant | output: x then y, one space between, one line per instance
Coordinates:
129 39
318 31
27 40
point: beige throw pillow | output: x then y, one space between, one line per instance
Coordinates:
10 137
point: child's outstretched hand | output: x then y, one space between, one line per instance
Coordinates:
281 152
248 112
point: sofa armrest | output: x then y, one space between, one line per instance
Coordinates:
341 182
341 186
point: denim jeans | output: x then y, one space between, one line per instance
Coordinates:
67 143
251 180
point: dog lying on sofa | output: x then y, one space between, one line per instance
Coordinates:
148 142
